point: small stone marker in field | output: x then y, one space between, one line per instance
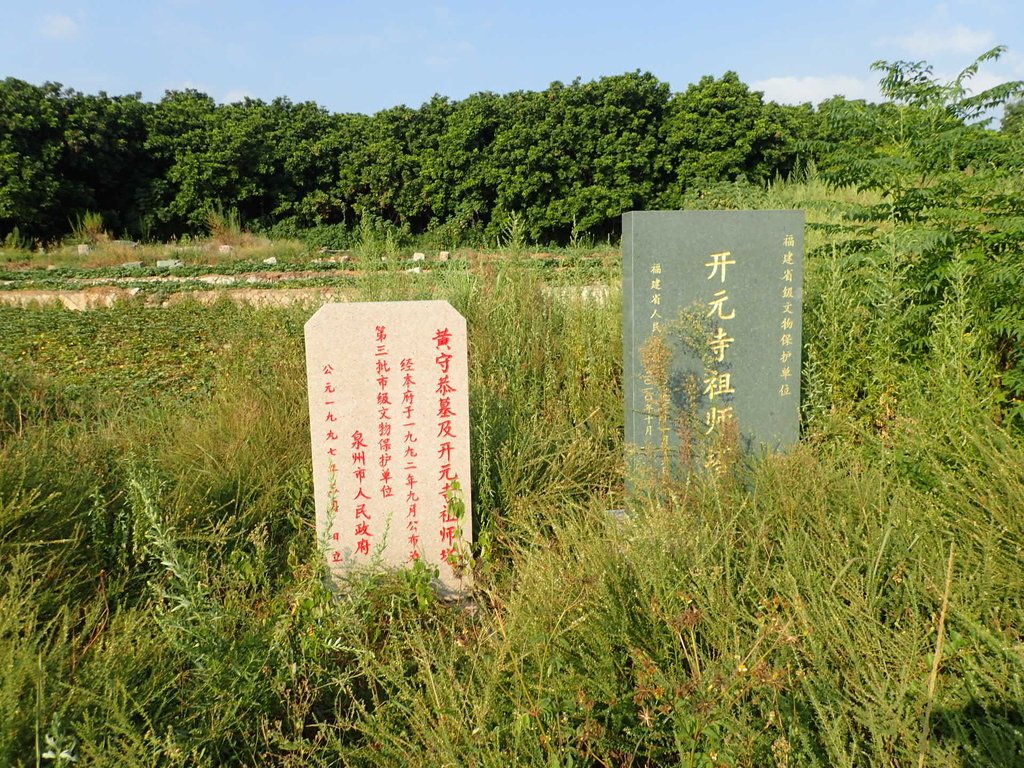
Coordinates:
169 263
712 306
389 427
418 256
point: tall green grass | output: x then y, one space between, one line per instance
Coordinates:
854 602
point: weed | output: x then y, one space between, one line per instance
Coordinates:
13 241
88 229
225 227
162 597
513 232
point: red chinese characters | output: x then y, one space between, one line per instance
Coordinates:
446 443
390 437
410 458
330 448
362 517
384 406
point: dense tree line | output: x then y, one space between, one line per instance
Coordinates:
564 161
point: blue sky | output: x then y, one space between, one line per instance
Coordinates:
363 56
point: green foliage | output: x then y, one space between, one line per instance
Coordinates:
227 157
63 153
30 151
378 239
162 598
719 130
951 215
13 241
912 84
88 228
334 237
579 155
927 129
26 397
513 232
103 353
460 179
224 227
570 159
1013 118
157 549
104 161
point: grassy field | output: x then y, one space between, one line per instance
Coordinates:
854 602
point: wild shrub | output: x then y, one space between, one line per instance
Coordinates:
87 228
947 206
163 600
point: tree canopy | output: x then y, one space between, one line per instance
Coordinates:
564 162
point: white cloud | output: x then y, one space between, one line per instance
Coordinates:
983 81
451 56
57 25
797 90
360 43
236 95
933 41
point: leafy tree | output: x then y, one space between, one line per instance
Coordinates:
104 163
844 135
619 168
230 157
578 156
311 148
1012 133
243 167
459 177
952 200
388 184
178 140
31 145
927 129
1013 117
800 127
720 130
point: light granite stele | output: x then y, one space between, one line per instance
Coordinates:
389 430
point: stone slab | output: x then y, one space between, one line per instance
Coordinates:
712 308
389 430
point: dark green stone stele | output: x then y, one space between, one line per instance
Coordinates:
711 335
